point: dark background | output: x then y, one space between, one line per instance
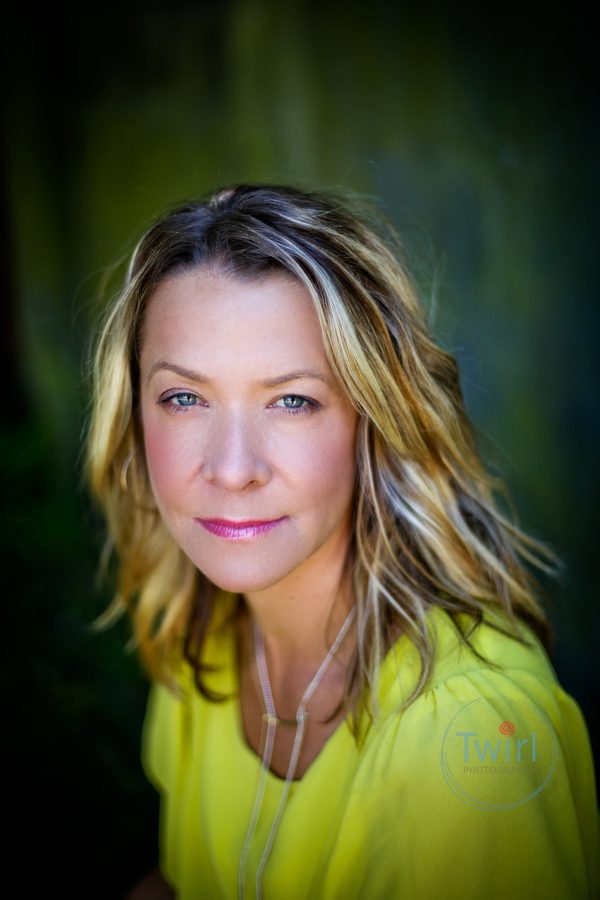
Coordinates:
478 138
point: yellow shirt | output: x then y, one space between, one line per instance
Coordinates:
483 788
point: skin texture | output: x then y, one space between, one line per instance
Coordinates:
222 443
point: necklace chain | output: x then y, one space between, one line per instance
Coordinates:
271 721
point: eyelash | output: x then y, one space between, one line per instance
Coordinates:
174 407
309 405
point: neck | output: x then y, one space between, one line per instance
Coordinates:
301 618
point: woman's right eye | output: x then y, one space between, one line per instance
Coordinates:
181 400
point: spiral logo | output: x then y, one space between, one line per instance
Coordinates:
507 728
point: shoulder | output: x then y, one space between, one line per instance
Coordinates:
172 706
503 707
493 753
489 651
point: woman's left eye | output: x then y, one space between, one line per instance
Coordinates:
295 404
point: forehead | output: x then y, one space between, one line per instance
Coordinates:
207 314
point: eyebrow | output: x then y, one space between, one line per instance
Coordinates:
199 378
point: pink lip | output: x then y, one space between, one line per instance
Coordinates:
239 531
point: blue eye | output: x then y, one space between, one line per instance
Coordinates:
294 403
181 400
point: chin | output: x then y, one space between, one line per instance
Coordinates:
241 582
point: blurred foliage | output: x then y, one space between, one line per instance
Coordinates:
477 138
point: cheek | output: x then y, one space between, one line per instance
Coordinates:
329 467
167 458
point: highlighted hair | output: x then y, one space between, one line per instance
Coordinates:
427 528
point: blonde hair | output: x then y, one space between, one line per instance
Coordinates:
427 530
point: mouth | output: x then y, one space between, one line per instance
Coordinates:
239 531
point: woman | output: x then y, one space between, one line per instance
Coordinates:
351 693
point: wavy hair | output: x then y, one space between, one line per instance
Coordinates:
427 529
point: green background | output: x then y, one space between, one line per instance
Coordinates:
477 137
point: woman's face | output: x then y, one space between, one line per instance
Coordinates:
249 437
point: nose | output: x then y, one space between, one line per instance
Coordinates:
234 454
